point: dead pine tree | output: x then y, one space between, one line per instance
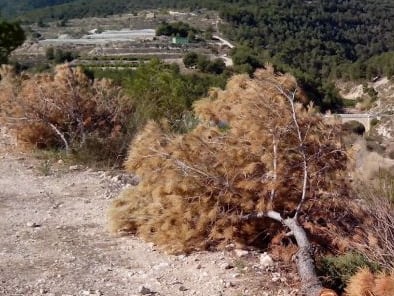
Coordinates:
257 162
311 284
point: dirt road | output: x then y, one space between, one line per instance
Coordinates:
54 242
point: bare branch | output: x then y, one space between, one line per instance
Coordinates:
61 135
258 215
291 98
274 163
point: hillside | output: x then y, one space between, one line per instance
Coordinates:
68 9
317 41
11 8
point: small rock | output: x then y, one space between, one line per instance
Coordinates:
161 266
181 257
91 293
73 167
56 206
198 266
241 253
182 288
145 291
226 266
115 179
32 224
266 260
229 284
275 277
230 247
127 186
60 161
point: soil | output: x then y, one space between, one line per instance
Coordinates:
54 241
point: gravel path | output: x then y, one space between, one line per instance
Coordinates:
54 242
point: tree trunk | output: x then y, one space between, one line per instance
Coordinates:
60 134
311 285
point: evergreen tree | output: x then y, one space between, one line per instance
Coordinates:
11 36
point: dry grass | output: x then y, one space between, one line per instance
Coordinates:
378 197
364 283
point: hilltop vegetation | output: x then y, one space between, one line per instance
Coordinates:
12 8
11 36
317 41
81 8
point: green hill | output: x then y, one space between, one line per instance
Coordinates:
316 40
13 8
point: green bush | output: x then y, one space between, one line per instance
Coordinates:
374 143
335 271
354 127
349 103
190 59
180 29
158 90
374 122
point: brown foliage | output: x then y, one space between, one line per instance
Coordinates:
328 292
364 283
64 108
378 202
243 157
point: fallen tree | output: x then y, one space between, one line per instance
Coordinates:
257 161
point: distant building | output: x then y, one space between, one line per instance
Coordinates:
179 40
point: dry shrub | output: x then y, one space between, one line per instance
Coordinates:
242 157
65 109
365 283
378 199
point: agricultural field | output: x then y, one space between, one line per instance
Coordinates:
122 40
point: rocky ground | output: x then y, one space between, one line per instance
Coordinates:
54 242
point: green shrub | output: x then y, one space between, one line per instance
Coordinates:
190 59
374 121
354 127
158 90
349 103
337 270
374 143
